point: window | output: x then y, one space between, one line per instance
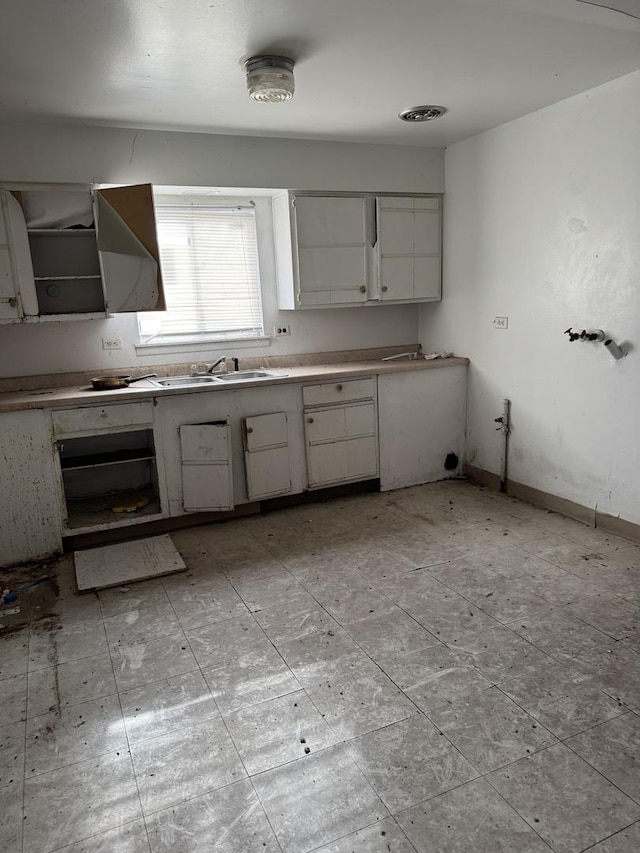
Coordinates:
209 257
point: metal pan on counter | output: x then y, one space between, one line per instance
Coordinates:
112 383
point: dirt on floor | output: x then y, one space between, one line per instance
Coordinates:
36 591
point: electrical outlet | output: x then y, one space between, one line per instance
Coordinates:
501 322
112 343
281 331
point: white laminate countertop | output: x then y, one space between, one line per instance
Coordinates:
74 396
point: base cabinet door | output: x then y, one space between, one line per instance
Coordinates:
422 418
266 455
206 467
30 513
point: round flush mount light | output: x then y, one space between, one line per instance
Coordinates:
270 78
425 113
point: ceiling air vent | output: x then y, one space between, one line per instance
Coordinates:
426 113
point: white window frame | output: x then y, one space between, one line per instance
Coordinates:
148 344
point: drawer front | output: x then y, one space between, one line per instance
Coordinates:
339 392
99 418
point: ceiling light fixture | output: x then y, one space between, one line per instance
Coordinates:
270 78
424 113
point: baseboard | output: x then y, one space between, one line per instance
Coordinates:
579 512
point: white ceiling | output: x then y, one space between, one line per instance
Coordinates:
178 64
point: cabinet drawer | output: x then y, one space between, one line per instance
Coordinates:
338 392
99 418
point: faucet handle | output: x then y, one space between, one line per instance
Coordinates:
236 364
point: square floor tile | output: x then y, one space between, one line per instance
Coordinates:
469 819
289 621
489 729
321 655
136 626
565 702
450 617
249 679
12 748
14 653
410 761
184 764
567 802
385 836
69 684
129 838
120 599
74 734
165 706
227 640
229 820
154 660
499 654
277 731
11 818
390 634
613 748
355 705
78 801
625 841
318 799
52 642
13 698
610 614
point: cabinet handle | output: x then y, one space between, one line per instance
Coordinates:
339 387
249 429
309 420
363 288
384 288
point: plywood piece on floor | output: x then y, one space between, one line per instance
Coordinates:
126 562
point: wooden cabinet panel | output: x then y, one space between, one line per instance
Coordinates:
101 418
338 392
266 443
360 420
327 463
206 467
203 443
330 221
362 457
205 488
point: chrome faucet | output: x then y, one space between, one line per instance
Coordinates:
209 368
221 360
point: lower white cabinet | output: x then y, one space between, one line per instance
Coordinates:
341 433
206 467
422 417
30 525
266 455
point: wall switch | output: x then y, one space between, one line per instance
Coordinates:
281 331
501 322
112 343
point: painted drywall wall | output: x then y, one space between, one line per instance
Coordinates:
542 225
75 154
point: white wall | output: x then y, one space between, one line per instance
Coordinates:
542 224
65 154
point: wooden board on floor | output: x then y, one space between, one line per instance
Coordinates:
126 562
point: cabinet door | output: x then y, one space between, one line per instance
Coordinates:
206 467
331 249
128 248
266 455
408 248
341 443
17 292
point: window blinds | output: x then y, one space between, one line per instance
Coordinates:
209 259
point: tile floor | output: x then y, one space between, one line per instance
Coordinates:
436 670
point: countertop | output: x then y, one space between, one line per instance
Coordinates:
74 396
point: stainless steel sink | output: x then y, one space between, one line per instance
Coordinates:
246 375
182 381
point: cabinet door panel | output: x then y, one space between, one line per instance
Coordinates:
204 442
205 488
333 269
265 431
396 274
325 425
360 420
396 231
362 457
426 234
268 472
324 221
8 311
129 249
327 463
427 278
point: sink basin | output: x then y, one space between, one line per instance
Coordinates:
246 375
182 381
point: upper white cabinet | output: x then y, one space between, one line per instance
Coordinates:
408 248
340 250
78 253
321 250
